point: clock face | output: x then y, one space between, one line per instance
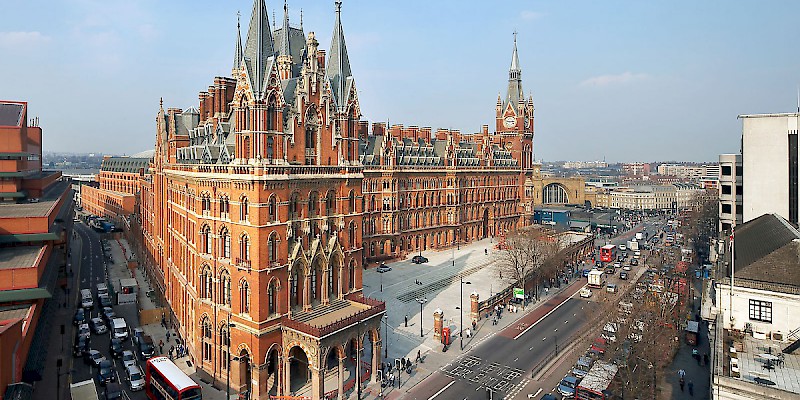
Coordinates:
509 122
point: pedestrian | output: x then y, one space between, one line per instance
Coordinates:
419 356
171 349
167 335
160 347
486 252
682 383
691 389
705 359
681 373
474 324
163 321
406 320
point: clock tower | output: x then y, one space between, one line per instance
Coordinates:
514 116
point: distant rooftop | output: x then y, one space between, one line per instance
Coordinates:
11 113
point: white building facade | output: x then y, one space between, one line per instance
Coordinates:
730 191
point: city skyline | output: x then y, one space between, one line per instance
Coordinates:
645 61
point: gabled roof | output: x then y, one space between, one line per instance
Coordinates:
259 46
767 249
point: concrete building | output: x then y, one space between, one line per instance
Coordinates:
644 197
770 165
35 227
730 191
636 169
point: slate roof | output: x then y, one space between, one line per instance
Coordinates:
11 114
767 249
259 46
125 164
338 68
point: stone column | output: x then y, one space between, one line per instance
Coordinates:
317 383
340 393
474 312
376 359
287 379
438 315
307 293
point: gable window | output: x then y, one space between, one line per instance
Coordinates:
761 311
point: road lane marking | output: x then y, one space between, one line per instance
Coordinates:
542 319
537 393
441 390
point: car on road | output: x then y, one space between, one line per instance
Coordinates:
102 289
586 293
611 288
105 301
83 330
610 270
146 347
93 357
80 317
623 247
135 378
623 275
419 260
585 272
105 373
548 397
136 334
567 386
617 265
128 358
115 348
626 268
81 346
98 326
113 391
383 268
108 314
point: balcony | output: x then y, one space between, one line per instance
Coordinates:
242 263
258 170
318 324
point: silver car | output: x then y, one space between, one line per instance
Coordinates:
135 378
128 359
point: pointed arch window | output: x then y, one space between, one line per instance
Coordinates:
272 209
272 115
244 248
224 344
330 203
271 298
351 202
205 239
244 296
225 243
351 275
272 248
244 209
270 148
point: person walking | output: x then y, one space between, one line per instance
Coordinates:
419 356
682 383
691 389
167 335
160 347
705 358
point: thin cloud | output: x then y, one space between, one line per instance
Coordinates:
22 39
527 15
619 79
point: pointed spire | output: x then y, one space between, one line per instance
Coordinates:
259 45
284 36
237 54
338 68
515 95
301 19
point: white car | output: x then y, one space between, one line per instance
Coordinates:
135 378
586 292
623 247
128 359
626 268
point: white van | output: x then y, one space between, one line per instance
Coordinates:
102 290
86 298
120 328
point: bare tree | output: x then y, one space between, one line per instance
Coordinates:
528 254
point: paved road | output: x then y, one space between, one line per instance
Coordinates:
92 272
503 362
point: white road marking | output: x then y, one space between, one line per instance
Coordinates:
537 393
541 319
441 390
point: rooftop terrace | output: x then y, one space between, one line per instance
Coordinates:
19 257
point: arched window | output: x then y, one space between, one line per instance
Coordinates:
272 208
224 345
225 243
313 203
225 288
205 326
294 206
244 209
271 298
206 282
351 235
272 115
246 147
244 296
224 207
554 194
270 148
330 203
205 239
272 248
244 248
351 202
351 276
205 204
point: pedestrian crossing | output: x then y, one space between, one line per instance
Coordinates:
500 379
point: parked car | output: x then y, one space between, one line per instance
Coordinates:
582 367
548 397
108 314
113 391
383 268
598 346
102 289
135 378
128 358
610 270
115 348
626 268
146 347
623 275
585 272
105 373
567 386
79 318
634 262
419 259
93 357
105 301
83 330
98 326
611 288
586 293
81 346
136 335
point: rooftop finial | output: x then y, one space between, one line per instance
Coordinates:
161 102
798 99
238 20
515 36
338 6
301 19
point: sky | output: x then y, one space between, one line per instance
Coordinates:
619 81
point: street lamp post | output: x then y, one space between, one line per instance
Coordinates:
421 302
228 360
386 347
461 299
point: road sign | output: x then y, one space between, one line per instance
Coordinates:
519 293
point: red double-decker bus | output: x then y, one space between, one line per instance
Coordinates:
165 381
608 253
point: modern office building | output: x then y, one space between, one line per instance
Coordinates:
35 227
730 191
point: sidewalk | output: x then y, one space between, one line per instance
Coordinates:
404 341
